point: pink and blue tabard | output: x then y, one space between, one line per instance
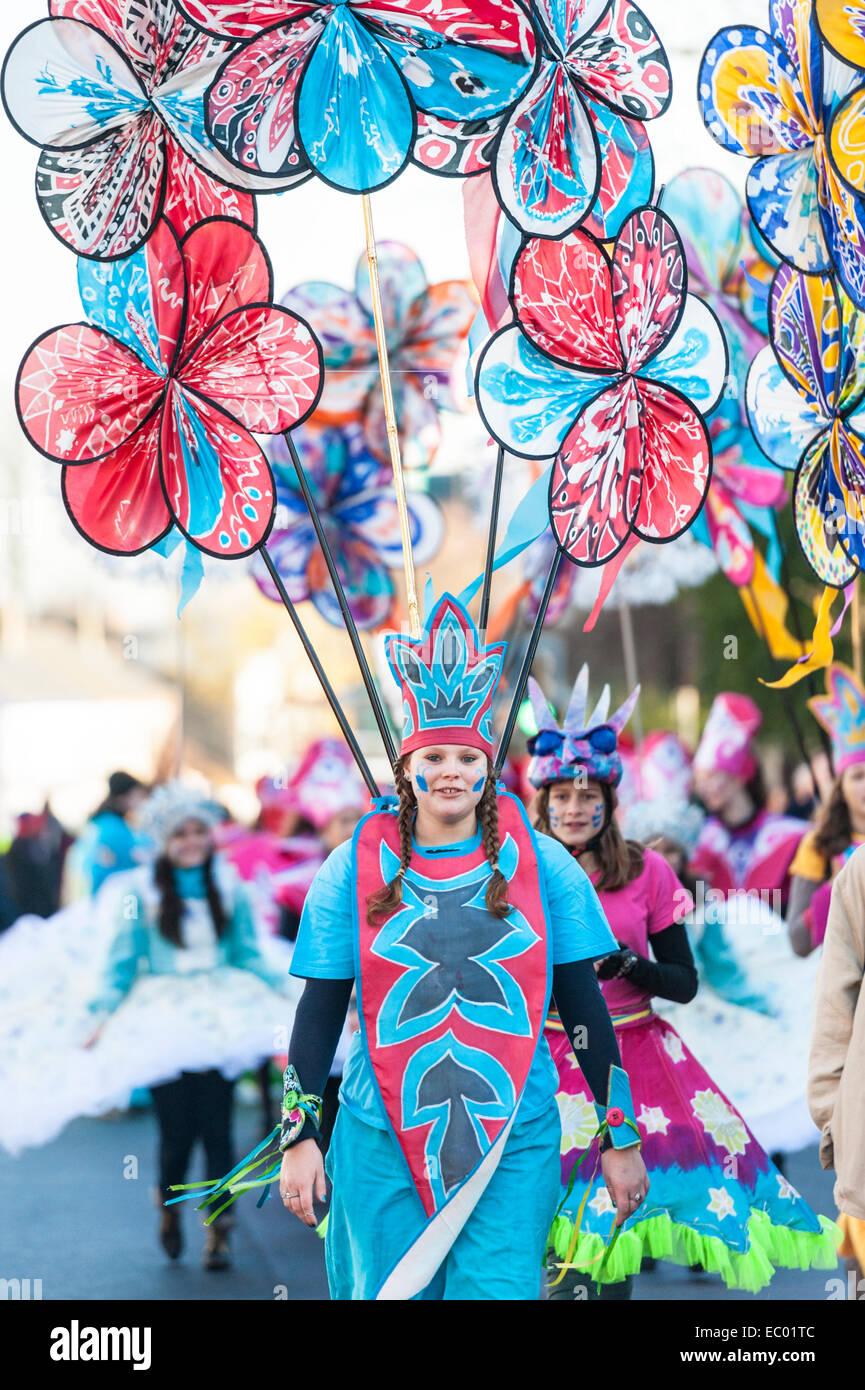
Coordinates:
451 998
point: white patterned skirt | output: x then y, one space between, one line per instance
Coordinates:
226 1019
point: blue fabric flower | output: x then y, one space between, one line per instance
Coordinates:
334 89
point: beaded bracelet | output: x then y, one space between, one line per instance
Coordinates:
297 1108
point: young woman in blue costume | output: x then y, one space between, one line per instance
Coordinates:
186 1000
456 921
716 1199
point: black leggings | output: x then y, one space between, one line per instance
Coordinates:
196 1106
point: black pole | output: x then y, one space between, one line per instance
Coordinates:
325 684
351 626
491 541
525 669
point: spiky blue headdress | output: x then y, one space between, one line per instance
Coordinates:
447 678
587 743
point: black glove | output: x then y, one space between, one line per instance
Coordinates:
619 963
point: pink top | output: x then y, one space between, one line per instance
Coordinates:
650 903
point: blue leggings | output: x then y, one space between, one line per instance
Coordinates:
375 1215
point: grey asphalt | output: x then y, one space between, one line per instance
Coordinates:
78 1215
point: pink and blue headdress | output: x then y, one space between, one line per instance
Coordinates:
726 741
447 678
585 745
841 711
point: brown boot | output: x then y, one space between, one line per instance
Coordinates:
216 1244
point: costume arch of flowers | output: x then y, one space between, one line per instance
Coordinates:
632 343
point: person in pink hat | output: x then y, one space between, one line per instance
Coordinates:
742 845
666 768
840 823
327 792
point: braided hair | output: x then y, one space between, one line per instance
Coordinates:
171 904
496 896
387 899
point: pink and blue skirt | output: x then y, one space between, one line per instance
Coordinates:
715 1199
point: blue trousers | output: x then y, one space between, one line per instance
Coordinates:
376 1214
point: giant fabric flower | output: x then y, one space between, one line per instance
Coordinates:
608 367
842 26
773 97
574 149
575 143
759 264
357 505
806 404
720 257
425 326
150 404
336 87
708 216
112 91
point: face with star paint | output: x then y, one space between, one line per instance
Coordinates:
448 782
576 811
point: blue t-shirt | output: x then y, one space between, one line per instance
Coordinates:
576 930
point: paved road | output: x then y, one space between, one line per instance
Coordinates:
74 1220
77 1217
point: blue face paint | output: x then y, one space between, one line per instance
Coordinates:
479 785
597 817
421 780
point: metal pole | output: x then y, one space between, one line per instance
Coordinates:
351 626
325 684
629 650
525 669
491 542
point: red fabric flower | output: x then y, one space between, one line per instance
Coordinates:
150 404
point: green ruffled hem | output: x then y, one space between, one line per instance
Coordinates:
769 1248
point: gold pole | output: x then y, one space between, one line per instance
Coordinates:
390 417
856 625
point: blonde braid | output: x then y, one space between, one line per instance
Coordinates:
405 819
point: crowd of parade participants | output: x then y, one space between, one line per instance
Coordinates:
684 963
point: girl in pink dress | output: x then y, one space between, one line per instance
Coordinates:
715 1200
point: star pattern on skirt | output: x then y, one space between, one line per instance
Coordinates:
601 1203
653 1119
722 1203
673 1047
